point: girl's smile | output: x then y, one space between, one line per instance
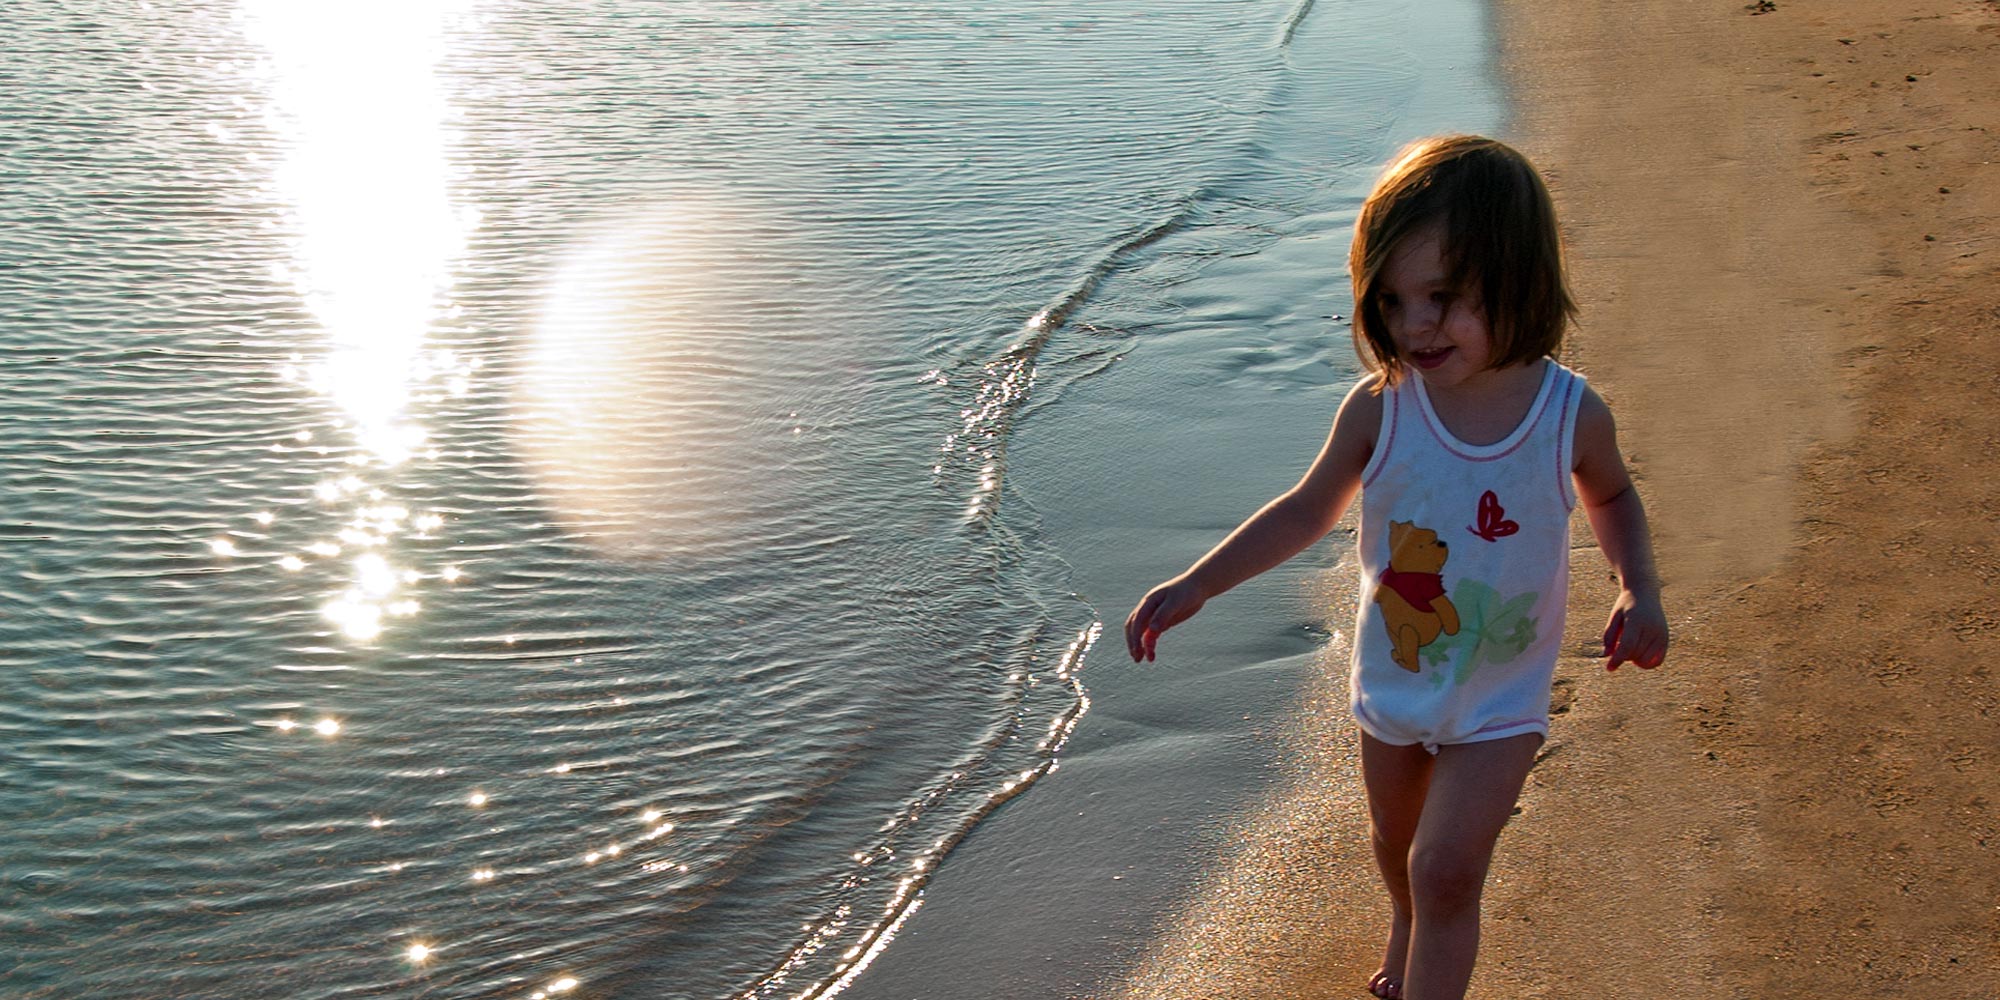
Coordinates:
1430 358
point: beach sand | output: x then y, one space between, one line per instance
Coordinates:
1786 235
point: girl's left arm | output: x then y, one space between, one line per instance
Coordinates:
1637 630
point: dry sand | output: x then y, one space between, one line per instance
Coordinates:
1786 228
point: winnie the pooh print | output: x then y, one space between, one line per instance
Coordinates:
1411 592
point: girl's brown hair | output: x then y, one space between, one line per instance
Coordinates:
1500 239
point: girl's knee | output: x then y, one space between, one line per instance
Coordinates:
1446 879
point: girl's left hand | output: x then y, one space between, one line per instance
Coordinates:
1637 631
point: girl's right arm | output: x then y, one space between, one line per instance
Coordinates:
1299 517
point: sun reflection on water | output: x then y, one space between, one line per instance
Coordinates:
367 179
364 178
364 182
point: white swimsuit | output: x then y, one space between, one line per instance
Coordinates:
1460 626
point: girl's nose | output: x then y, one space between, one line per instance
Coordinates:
1421 318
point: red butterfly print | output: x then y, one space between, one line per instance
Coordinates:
1493 523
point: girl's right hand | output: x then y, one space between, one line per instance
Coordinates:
1164 607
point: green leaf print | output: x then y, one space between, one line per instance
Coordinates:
1490 630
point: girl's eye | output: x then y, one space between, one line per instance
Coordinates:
1389 301
1442 299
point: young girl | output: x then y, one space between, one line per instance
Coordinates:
1470 446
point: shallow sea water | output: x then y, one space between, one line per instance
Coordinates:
511 499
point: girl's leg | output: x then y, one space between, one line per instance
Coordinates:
1396 778
1473 788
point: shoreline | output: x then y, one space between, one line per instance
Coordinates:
1783 232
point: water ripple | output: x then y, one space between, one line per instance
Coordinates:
476 517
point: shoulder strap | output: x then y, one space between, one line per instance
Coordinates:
1568 397
1394 401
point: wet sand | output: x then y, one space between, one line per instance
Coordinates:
1786 228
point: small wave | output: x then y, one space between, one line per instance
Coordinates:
908 896
1293 21
1004 382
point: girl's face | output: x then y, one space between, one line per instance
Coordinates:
1439 329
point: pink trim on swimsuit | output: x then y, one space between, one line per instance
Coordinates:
1565 450
1519 435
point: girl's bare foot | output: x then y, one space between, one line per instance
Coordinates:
1388 983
